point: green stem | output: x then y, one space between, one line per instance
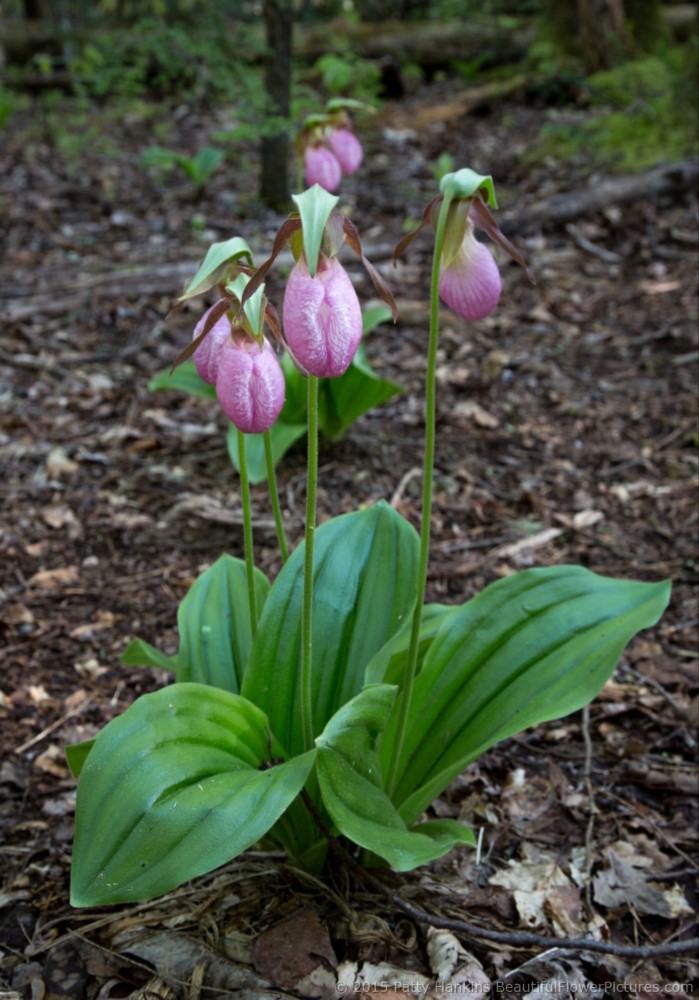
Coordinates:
274 496
247 532
307 617
408 681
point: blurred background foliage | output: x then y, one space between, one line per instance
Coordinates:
637 71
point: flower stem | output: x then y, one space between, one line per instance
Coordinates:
274 496
307 617
247 532
408 680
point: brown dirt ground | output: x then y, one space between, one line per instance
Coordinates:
573 407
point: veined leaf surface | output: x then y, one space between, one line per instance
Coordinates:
172 789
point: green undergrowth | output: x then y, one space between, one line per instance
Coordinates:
643 112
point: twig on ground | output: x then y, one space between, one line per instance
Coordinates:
518 939
591 806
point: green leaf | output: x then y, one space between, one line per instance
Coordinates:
217 262
342 400
373 317
172 789
282 436
76 755
214 625
294 409
207 160
388 665
140 653
364 589
535 646
183 379
156 156
349 777
315 206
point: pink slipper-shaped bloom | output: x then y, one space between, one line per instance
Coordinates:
347 149
322 318
250 385
322 167
471 284
207 354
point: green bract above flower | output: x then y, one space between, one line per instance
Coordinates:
469 281
466 183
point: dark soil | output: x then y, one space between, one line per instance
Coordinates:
567 418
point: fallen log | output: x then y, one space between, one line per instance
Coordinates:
669 180
169 279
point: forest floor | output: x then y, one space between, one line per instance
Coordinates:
567 433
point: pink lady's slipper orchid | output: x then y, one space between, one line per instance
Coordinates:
250 384
322 318
207 353
469 279
347 148
470 284
322 167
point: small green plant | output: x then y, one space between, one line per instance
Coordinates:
331 702
345 74
198 168
443 165
7 104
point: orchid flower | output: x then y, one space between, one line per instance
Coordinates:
322 318
347 148
250 384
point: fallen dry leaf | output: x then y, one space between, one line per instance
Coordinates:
291 950
54 579
58 464
622 884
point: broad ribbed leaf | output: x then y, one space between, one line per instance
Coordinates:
533 647
341 400
214 625
140 653
388 665
282 436
76 755
184 378
365 567
349 777
172 789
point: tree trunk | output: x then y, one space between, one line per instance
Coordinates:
602 28
32 10
274 178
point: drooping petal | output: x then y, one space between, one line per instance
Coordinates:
322 167
207 354
471 284
250 385
322 318
347 148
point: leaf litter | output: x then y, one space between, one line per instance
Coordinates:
566 435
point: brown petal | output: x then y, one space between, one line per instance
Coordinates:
379 283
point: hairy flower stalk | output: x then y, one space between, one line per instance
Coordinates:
466 277
233 355
322 321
